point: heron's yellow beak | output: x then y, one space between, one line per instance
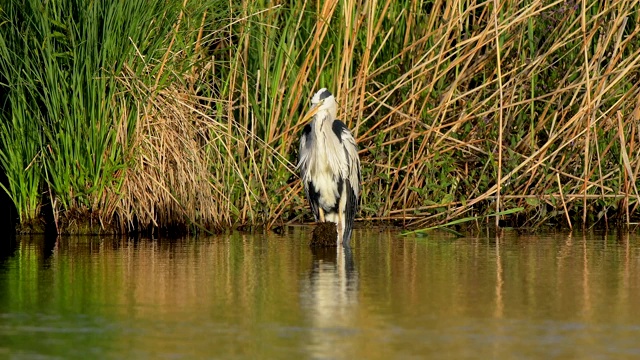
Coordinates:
312 112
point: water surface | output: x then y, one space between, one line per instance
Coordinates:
270 296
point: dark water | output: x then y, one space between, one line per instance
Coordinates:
239 296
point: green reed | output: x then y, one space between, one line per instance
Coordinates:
70 118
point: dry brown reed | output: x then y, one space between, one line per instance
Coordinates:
429 87
169 179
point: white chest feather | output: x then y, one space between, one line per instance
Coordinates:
327 165
327 188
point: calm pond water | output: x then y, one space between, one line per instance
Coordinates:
270 296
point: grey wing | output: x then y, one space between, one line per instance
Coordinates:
351 152
353 183
303 151
303 167
312 197
350 211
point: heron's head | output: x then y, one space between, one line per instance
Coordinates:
324 101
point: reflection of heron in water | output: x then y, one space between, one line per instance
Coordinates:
337 258
330 297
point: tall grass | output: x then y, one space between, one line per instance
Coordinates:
180 113
81 85
429 86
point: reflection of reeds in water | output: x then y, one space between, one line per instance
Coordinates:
525 270
277 290
499 309
228 271
163 278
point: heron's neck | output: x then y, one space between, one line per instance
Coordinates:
322 120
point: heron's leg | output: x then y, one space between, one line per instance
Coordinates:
321 212
340 227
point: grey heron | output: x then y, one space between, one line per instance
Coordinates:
329 166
